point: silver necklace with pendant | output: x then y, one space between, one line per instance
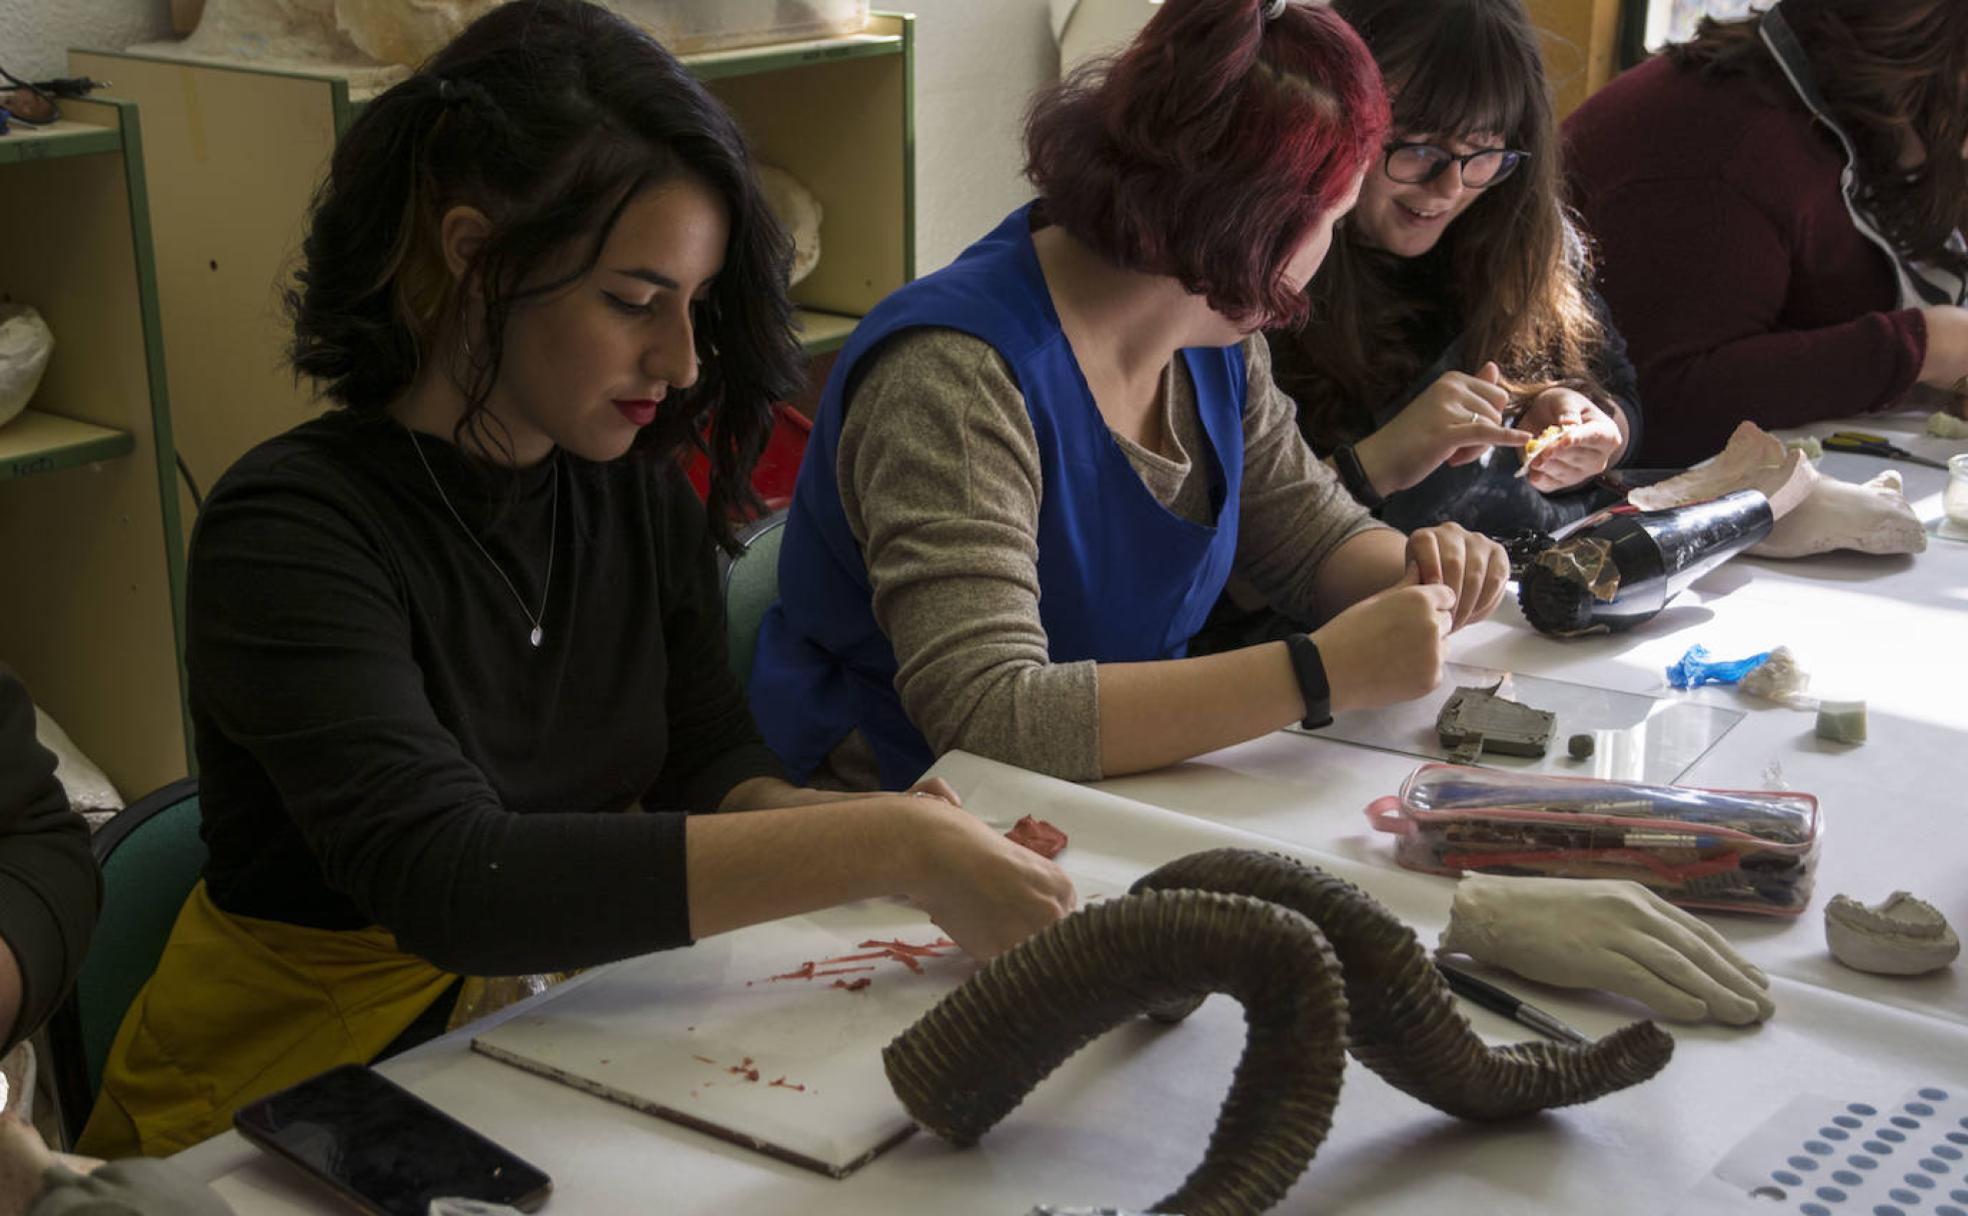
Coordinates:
553 535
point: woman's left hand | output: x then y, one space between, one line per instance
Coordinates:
1468 563
1588 442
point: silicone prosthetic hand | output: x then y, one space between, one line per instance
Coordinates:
1606 933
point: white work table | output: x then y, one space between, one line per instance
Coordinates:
1125 1121
1892 631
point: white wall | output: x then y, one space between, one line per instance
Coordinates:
977 62
35 35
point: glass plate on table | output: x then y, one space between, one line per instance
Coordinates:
1636 736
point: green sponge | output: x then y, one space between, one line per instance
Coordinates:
1842 721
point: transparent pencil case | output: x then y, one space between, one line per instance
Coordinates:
1730 850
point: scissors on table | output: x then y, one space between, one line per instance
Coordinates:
1874 445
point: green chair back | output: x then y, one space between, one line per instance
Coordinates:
151 856
751 583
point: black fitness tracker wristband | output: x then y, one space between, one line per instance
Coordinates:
1353 475
1311 672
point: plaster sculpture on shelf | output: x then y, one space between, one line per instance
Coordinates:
1587 932
26 342
289 34
1813 513
799 211
689 27
1321 969
406 32
1900 936
90 793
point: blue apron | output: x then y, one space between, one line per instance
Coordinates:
1121 578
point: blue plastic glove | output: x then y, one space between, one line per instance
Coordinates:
1695 669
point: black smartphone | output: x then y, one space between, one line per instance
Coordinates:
384 1148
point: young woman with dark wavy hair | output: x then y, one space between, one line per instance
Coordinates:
456 647
1778 205
1033 471
1453 317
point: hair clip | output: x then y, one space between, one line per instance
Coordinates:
1274 9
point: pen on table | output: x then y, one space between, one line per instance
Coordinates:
1496 1000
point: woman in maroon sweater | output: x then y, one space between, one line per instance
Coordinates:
1747 283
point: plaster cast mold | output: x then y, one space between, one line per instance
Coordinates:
1902 936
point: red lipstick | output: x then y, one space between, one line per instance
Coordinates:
641 413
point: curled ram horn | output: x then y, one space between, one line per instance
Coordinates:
975 1056
1404 1021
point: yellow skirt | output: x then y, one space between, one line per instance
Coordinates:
239 1008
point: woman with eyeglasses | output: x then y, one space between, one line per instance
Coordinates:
1452 324
1452 319
1779 205
1032 471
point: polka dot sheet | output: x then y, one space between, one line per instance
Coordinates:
1825 1156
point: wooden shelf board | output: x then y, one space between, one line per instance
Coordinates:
41 443
772 56
821 332
63 137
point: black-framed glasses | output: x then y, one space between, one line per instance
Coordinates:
1419 164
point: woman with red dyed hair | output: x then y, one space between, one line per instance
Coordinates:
1033 471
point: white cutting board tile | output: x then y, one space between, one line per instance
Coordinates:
662 1033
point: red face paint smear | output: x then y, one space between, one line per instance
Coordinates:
852 985
906 953
1037 835
782 1083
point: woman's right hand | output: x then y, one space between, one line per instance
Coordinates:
1388 647
1453 421
982 890
1946 365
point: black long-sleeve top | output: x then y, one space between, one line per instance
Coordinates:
380 743
50 889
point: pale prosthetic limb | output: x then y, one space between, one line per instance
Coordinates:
1814 513
1610 934
1874 517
